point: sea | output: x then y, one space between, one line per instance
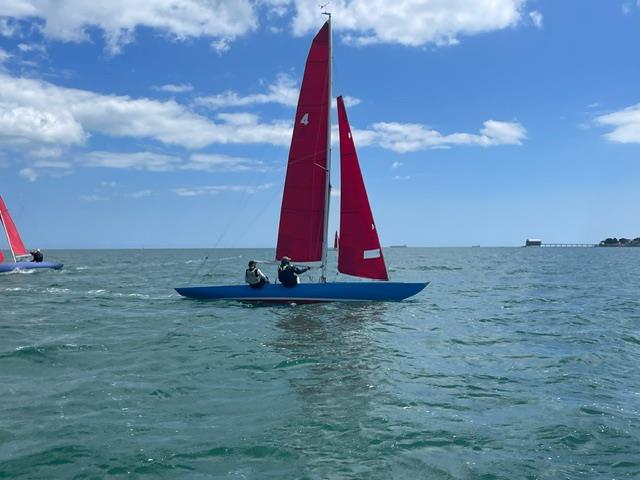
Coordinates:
514 363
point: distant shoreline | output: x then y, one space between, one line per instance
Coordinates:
621 242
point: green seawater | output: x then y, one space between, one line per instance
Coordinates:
513 364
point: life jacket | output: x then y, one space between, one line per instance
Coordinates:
287 275
252 277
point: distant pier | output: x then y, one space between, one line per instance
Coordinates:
584 245
536 242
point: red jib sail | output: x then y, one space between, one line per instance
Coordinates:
301 231
15 242
359 253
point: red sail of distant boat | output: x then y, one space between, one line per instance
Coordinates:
302 216
336 240
15 242
359 253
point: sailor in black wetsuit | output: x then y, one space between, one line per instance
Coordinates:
36 256
288 274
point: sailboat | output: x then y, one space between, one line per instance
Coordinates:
18 251
304 215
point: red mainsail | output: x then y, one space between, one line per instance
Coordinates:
302 215
17 247
359 253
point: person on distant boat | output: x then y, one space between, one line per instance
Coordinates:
254 277
36 256
288 274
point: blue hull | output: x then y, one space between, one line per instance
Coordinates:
308 292
9 267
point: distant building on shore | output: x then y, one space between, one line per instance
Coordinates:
533 242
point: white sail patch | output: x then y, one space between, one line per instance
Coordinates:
368 254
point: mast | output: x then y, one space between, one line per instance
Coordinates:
325 239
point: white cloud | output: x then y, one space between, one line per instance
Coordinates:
410 22
93 198
627 7
47 167
8 28
396 164
284 92
139 194
537 18
35 112
246 128
29 173
45 120
174 88
221 45
70 20
222 163
501 133
411 137
625 123
216 189
156 162
150 161
4 55
103 195
402 177
277 7
348 101
54 164
46 152
32 48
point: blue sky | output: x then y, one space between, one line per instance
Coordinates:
167 123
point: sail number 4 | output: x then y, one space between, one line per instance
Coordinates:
305 119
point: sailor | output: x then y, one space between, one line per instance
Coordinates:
36 256
288 274
254 277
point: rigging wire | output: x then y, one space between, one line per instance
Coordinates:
206 257
231 220
265 206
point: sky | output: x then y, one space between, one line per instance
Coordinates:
166 123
